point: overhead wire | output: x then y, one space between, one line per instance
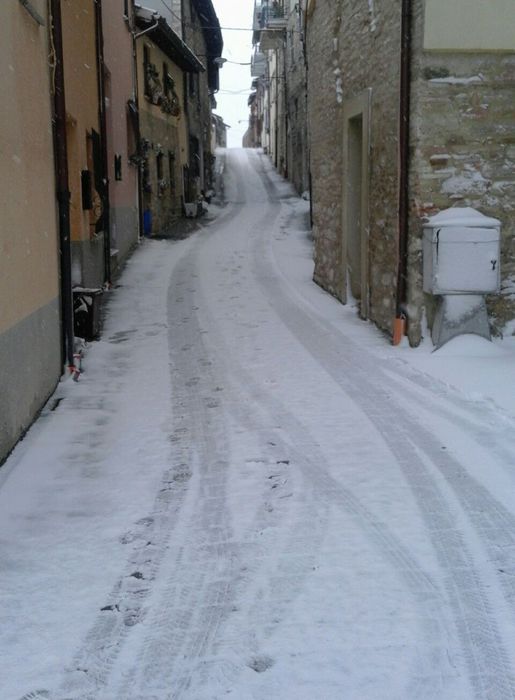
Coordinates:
190 25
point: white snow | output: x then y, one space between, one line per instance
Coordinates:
454 80
250 494
462 217
467 182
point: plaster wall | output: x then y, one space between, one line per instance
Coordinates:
120 87
28 229
469 25
30 342
30 358
81 94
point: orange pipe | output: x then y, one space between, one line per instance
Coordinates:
399 329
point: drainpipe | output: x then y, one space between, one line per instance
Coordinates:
62 185
276 125
286 107
403 222
103 140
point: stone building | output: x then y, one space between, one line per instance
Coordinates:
278 105
196 23
218 132
410 111
30 338
295 62
201 31
253 137
165 64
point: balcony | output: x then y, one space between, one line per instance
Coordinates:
273 25
273 16
257 65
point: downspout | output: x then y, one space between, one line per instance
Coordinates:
103 140
286 107
62 185
276 120
404 146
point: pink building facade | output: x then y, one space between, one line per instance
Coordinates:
122 137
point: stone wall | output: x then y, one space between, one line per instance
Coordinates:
325 136
462 147
463 154
298 152
339 36
199 103
163 135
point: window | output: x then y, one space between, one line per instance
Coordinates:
147 70
87 190
117 167
33 12
166 80
192 84
159 166
171 169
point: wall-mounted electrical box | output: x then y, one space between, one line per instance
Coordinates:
461 253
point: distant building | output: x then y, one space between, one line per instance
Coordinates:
201 31
278 116
219 133
165 64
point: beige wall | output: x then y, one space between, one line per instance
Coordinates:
28 230
30 345
469 25
81 88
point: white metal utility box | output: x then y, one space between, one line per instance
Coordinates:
461 253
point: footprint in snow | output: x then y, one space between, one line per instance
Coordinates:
260 664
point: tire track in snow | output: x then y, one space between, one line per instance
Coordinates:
468 416
311 460
490 670
124 609
178 639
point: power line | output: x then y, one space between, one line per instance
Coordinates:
225 29
192 26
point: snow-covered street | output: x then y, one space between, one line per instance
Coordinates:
251 494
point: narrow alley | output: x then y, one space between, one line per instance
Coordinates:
242 497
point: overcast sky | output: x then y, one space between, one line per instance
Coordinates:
235 80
